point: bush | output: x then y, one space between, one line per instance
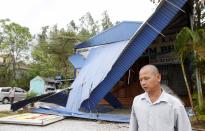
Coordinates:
31 94
195 100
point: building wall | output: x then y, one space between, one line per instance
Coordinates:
37 85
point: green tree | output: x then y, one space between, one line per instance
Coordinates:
182 48
191 42
15 43
84 34
72 26
61 47
198 13
155 1
88 24
42 64
198 48
106 22
52 51
54 46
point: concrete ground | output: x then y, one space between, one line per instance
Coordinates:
69 124
4 107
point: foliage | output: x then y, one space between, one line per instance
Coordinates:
182 47
52 51
199 13
49 49
202 117
55 45
155 1
30 94
88 25
199 45
61 47
72 27
200 111
106 22
184 42
14 47
193 42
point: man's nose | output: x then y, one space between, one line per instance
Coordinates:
142 82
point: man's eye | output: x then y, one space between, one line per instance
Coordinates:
146 78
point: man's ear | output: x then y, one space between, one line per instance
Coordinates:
159 77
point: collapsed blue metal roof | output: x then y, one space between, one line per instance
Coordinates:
97 65
120 32
149 31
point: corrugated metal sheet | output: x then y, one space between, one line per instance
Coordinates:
120 32
77 60
113 100
141 40
99 62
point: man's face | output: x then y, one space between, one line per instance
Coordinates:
149 80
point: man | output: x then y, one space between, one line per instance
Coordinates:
155 110
11 95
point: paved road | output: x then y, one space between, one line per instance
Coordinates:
4 107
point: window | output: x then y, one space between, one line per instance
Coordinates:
5 90
19 90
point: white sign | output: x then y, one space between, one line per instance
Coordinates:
31 119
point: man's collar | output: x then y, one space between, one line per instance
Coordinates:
162 97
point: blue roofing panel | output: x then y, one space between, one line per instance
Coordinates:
137 45
120 32
77 60
97 65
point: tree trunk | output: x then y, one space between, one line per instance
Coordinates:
13 68
199 89
187 86
13 62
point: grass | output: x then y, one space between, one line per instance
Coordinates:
9 113
201 117
200 124
6 113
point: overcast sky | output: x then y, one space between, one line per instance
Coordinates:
37 13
